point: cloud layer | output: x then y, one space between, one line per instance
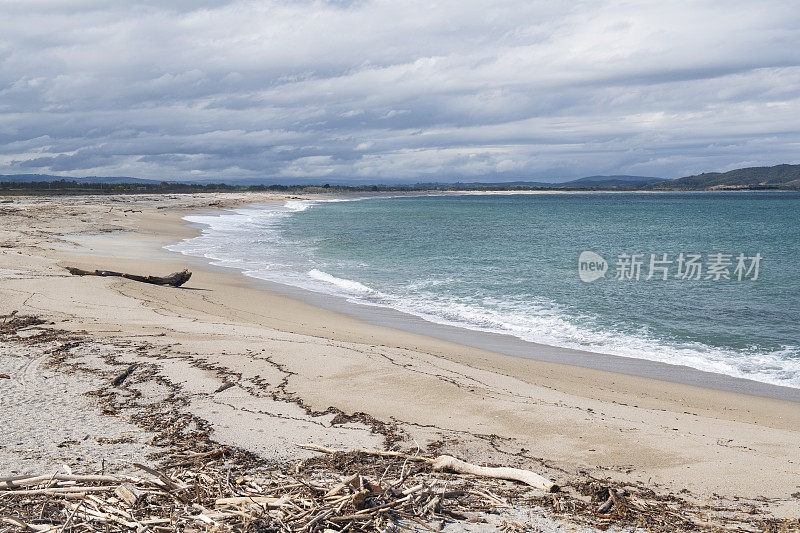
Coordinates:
397 91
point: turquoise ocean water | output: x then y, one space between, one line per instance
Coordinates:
509 264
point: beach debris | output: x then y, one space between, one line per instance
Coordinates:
13 323
117 381
224 490
615 497
129 494
447 463
238 491
176 279
5 376
210 498
363 490
225 386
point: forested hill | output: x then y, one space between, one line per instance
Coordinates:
778 177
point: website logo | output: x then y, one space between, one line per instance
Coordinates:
684 266
591 266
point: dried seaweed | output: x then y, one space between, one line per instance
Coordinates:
211 494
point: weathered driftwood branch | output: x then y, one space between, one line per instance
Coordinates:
380 453
237 501
176 279
27 481
448 463
57 490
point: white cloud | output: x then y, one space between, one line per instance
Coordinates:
396 90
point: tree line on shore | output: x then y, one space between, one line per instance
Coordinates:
778 177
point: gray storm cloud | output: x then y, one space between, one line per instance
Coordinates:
396 91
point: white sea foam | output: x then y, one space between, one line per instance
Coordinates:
546 324
348 286
251 240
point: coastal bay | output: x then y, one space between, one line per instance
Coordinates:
301 373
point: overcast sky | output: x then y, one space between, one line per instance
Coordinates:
397 90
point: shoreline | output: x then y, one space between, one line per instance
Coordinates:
503 344
500 343
565 421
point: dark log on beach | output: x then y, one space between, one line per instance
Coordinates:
122 377
176 279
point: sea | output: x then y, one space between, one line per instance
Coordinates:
707 280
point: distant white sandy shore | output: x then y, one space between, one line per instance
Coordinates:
553 191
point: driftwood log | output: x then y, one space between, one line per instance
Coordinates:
451 464
447 463
176 279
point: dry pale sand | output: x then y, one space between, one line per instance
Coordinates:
289 361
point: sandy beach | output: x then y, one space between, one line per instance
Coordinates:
262 371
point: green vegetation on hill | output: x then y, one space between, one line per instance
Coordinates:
777 177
